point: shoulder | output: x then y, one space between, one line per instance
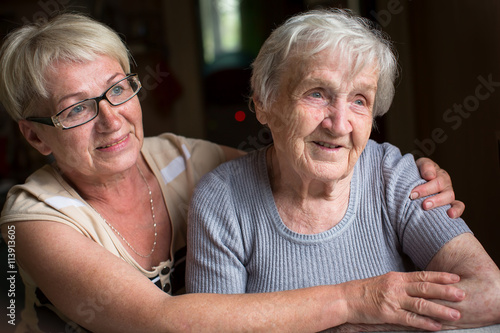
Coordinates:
173 154
43 184
375 152
391 163
239 169
45 196
389 174
232 176
175 145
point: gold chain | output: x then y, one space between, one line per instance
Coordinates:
152 214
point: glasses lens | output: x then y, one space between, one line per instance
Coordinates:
78 114
123 90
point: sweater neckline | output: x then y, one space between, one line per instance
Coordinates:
278 223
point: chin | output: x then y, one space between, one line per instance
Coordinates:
330 173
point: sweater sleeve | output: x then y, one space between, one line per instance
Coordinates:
421 233
215 258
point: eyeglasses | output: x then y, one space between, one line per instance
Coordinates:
84 111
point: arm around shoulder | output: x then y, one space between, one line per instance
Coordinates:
72 270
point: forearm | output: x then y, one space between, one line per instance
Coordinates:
480 279
103 293
152 310
481 306
305 310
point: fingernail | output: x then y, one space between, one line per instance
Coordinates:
460 293
455 314
428 205
413 195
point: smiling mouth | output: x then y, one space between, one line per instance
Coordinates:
326 145
113 144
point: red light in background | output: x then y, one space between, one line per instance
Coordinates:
239 116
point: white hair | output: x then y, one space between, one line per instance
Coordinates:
352 38
28 52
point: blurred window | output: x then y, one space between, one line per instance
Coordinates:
221 28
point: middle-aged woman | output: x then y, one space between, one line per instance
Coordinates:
100 233
324 204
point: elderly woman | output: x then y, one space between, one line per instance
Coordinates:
324 204
101 232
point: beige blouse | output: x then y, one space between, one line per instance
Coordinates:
178 164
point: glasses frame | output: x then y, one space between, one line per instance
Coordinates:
54 120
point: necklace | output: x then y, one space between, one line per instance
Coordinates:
152 214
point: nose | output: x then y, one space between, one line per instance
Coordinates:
109 118
337 120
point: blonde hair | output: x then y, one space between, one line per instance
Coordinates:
28 52
352 38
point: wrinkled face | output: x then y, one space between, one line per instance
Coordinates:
322 118
106 145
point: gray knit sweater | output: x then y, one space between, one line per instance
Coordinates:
238 243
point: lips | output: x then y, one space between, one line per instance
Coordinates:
114 143
327 145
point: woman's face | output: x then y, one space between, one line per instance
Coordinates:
322 118
104 146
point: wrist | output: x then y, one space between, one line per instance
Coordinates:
348 299
338 304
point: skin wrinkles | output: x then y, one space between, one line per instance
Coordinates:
321 123
329 119
119 128
71 98
70 279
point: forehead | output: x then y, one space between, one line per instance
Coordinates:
333 67
88 68
68 81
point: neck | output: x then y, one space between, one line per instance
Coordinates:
109 189
307 205
285 180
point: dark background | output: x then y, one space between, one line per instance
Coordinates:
444 106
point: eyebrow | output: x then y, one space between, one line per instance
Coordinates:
110 81
317 81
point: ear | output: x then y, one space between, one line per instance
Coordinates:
30 132
259 112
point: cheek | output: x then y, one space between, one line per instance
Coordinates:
72 153
363 127
361 135
294 122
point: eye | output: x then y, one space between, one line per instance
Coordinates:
316 94
317 97
116 90
76 110
360 102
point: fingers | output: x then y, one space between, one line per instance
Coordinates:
426 287
412 319
456 210
420 310
443 198
422 313
427 167
447 196
409 299
433 277
440 183
429 290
